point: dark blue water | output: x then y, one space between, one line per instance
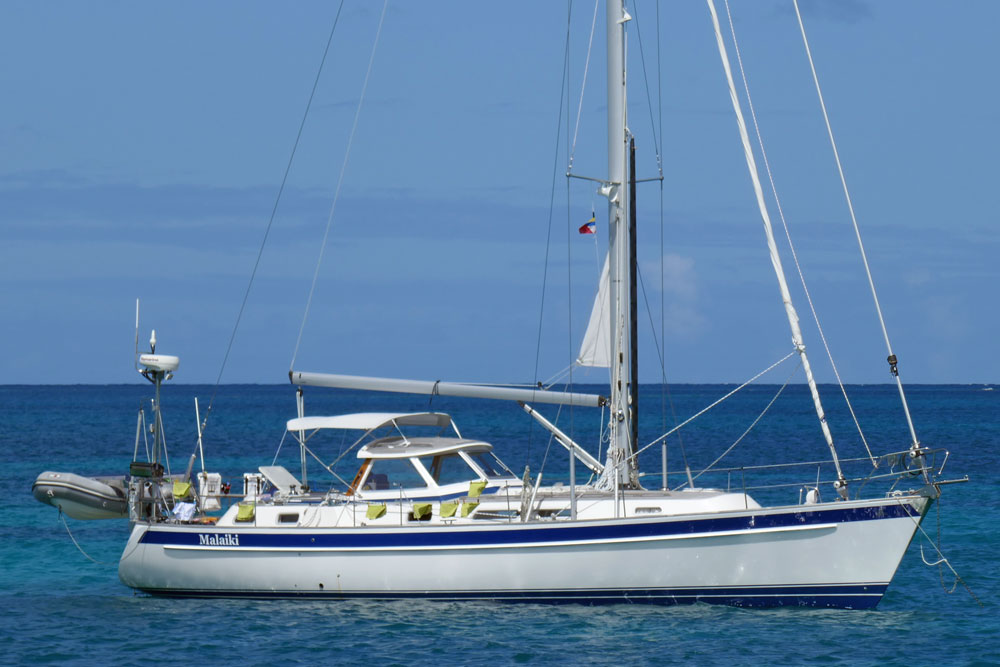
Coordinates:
62 608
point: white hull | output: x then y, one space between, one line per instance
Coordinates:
840 554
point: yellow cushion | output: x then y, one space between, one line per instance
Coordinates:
476 488
375 511
448 509
420 510
181 489
245 512
468 507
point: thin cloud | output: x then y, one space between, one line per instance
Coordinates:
682 316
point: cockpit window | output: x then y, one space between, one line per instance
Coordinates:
448 469
388 474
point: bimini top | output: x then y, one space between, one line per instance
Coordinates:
369 421
403 448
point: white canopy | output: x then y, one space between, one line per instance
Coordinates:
368 421
397 448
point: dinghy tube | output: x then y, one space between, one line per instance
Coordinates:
82 497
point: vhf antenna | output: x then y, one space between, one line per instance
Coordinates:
135 360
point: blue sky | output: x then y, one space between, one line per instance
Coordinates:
143 145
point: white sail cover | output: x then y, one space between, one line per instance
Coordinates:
595 350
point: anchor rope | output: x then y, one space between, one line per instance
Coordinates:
77 544
941 556
937 515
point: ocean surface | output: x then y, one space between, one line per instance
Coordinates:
61 607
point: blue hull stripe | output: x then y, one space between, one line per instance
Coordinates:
458 536
842 596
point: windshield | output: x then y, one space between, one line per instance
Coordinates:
490 465
448 469
392 474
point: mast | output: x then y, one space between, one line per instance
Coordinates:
633 310
619 254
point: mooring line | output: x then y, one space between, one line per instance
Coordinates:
77 544
944 560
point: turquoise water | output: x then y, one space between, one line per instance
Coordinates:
63 608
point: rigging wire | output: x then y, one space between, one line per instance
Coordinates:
663 368
270 220
665 393
583 85
788 236
663 326
749 428
340 182
329 468
645 78
569 170
278 451
552 195
793 318
716 402
569 261
857 231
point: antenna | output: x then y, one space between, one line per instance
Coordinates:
135 359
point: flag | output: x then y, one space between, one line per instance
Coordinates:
589 228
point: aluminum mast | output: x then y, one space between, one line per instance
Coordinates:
619 448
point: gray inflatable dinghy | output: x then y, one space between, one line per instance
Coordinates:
82 497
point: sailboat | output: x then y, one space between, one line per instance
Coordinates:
432 513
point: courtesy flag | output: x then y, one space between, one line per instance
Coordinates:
590 227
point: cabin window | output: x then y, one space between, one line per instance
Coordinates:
488 463
388 474
448 469
288 518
